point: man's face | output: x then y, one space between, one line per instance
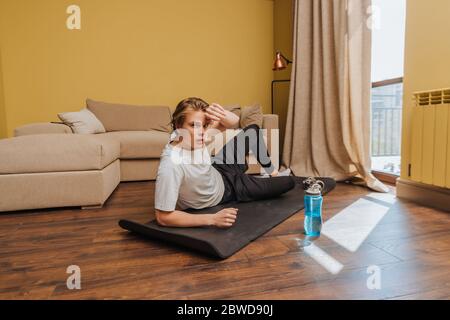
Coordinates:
194 126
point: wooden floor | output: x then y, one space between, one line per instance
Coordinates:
410 245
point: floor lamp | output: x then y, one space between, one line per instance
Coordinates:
281 63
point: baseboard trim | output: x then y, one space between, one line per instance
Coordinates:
427 195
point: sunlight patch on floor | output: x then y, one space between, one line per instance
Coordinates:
385 197
324 259
350 227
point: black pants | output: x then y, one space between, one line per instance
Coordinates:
231 163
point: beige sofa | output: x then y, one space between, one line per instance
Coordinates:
49 166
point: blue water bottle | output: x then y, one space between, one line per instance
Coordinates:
313 207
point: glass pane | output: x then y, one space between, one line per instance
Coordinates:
387 128
388 39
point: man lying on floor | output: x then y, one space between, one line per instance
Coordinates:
189 178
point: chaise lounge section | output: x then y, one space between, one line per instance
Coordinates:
57 170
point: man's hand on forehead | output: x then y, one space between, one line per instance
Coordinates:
215 112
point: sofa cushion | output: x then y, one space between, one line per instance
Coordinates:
139 144
122 117
82 122
251 115
56 153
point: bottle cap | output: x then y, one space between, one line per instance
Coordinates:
308 182
315 188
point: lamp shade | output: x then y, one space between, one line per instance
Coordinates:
279 63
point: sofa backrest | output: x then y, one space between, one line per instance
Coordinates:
123 117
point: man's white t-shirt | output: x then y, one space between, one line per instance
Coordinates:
186 178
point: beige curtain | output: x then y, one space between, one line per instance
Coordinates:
328 120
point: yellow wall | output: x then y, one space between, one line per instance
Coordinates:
283 42
427 66
3 128
133 51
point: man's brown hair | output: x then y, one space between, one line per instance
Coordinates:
179 115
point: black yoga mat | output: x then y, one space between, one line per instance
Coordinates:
253 220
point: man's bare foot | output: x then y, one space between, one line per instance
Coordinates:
284 173
275 173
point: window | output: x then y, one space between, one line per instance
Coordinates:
388 39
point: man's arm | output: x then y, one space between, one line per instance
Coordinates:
222 119
223 219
